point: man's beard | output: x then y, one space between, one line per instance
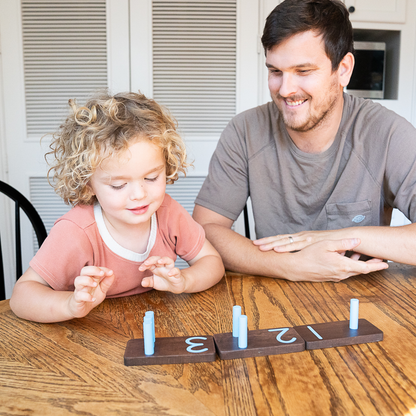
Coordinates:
312 122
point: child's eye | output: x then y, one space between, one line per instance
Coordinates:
118 186
152 179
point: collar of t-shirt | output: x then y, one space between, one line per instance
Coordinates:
117 248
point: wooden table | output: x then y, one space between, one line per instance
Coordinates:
76 367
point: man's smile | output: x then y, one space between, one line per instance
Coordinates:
294 103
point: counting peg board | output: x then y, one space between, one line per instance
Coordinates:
175 350
260 342
337 334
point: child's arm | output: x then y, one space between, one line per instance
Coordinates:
206 269
33 299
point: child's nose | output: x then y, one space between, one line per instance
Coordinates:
138 192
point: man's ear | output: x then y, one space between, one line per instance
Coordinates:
345 69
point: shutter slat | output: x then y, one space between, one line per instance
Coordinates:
49 205
65 56
194 63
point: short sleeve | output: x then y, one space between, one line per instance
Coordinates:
226 189
400 176
179 230
63 254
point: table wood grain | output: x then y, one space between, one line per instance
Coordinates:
76 367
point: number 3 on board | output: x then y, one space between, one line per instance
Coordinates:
279 336
195 344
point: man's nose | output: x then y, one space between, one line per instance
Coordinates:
288 86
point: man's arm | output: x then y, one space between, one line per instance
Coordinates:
321 261
392 243
238 253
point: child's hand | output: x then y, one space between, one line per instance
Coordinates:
165 277
91 287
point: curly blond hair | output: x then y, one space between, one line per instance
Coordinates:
105 127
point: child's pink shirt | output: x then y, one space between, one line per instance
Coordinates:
75 241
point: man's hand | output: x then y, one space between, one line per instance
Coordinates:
317 255
326 261
91 287
284 243
166 277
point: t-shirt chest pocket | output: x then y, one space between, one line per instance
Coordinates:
348 214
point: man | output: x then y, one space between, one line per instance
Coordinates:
313 159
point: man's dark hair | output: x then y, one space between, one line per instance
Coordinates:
328 18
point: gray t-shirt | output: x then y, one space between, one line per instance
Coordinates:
368 170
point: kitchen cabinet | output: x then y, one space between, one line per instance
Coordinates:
389 11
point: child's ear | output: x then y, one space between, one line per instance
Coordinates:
88 190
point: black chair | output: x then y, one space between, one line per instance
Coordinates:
20 202
246 222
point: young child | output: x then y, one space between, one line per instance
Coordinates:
113 159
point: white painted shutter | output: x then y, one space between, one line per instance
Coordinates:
185 191
65 56
194 63
48 204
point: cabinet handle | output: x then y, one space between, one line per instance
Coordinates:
351 9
